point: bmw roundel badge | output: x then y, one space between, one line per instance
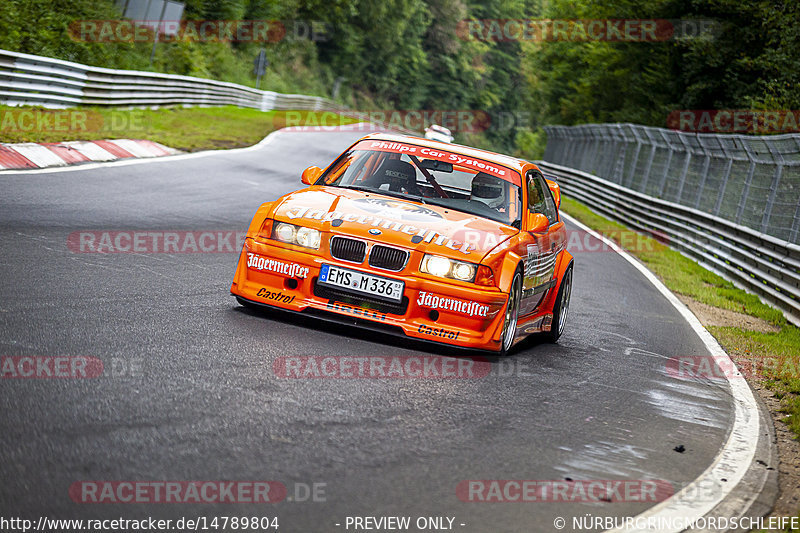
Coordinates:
374 231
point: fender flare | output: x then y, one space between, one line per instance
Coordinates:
511 262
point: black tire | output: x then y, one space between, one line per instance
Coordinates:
561 308
512 314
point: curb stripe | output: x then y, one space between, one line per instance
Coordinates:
67 153
133 147
114 149
37 154
11 159
61 154
156 150
92 151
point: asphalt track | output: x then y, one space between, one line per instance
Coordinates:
205 403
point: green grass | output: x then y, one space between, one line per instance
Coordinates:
774 357
185 128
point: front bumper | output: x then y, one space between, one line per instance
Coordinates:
440 311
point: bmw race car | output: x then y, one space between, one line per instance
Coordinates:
421 238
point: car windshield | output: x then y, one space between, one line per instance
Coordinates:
430 176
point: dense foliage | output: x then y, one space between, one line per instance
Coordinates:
410 54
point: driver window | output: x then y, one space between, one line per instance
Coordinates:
539 198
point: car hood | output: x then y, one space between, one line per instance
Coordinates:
393 221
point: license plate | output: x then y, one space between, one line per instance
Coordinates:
361 283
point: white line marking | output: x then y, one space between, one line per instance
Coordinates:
735 456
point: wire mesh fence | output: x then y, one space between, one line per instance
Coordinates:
747 180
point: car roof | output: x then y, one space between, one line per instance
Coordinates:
513 163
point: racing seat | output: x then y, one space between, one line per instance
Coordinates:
399 175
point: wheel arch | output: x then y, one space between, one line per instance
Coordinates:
511 263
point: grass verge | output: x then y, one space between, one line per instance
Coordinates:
771 358
185 128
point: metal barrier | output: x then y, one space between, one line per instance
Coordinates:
35 80
754 261
747 180
42 81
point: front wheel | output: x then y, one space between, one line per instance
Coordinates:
512 314
561 308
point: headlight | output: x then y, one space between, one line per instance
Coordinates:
285 232
463 271
306 237
443 267
436 266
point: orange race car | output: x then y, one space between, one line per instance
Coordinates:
416 237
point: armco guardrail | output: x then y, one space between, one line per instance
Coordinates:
760 263
751 181
35 80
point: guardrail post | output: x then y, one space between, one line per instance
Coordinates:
646 174
670 151
795 224
682 179
745 188
618 168
583 150
630 178
796 217
726 176
572 149
564 147
561 145
609 152
596 140
703 177
773 191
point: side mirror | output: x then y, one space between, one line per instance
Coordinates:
537 223
556 190
310 175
